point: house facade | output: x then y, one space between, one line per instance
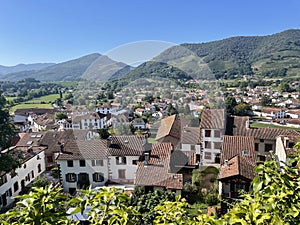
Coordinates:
14 182
212 129
83 163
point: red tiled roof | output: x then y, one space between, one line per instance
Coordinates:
129 145
213 119
190 135
237 157
30 139
169 126
156 171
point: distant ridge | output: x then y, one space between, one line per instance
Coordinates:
90 67
276 55
23 67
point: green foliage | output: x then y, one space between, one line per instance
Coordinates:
7 129
156 69
40 181
9 162
230 103
172 212
241 109
103 132
107 206
61 115
265 101
274 200
42 206
145 203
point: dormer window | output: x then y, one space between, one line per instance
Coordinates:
245 152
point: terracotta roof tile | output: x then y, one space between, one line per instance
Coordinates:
169 126
237 157
130 145
213 119
190 135
156 171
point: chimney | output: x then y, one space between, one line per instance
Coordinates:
247 124
109 141
226 162
147 158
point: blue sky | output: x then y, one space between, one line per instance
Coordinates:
60 30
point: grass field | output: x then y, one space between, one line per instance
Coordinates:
46 98
27 106
264 125
10 98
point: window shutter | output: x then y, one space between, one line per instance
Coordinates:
94 177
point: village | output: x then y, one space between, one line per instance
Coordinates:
153 141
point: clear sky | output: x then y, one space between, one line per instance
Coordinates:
59 30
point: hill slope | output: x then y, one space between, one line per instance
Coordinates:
23 67
90 67
267 56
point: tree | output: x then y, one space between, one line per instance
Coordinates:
230 103
61 115
265 101
145 203
40 207
7 129
241 109
107 206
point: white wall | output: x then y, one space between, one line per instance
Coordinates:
130 169
212 150
22 172
89 169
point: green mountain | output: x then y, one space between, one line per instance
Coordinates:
89 67
23 67
152 69
266 56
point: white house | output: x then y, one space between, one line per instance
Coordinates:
212 128
107 108
14 182
123 154
83 163
99 162
86 121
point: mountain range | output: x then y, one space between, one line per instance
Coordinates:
267 56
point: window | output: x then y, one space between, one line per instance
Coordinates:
121 174
256 147
39 168
97 162
207 144
72 191
193 148
82 163
134 162
261 140
49 159
207 155
121 160
70 163
16 186
245 152
32 173
268 147
9 192
217 145
217 133
3 179
71 177
98 177
207 133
